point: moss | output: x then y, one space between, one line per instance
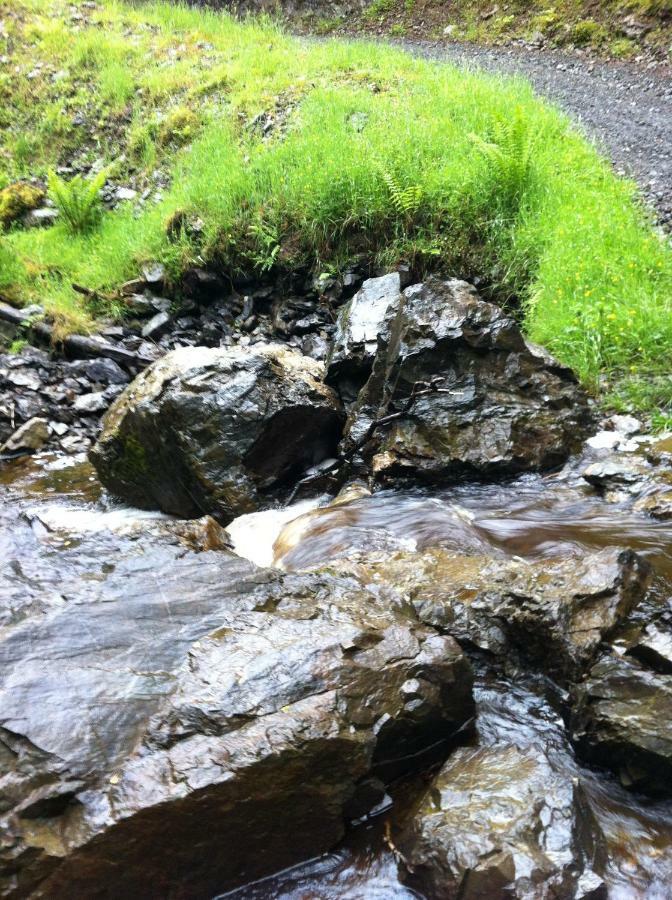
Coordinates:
18 199
131 463
179 127
588 33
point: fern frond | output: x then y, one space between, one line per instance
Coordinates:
406 199
77 200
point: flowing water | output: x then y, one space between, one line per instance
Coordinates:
60 503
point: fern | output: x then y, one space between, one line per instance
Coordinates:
406 199
78 200
509 155
268 245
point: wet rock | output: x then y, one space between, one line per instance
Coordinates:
653 647
185 723
356 339
202 285
613 474
622 721
217 430
500 822
125 193
24 378
40 218
625 425
29 437
157 326
86 404
154 273
656 503
453 388
105 371
553 614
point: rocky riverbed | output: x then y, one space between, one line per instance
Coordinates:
399 608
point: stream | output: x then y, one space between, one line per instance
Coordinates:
57 524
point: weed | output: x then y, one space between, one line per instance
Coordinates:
406 199
17 345
78 200
379 8
179 127
509 158
588 32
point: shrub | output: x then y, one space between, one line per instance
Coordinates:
78 200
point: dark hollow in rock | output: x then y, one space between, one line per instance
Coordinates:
217 430
457 388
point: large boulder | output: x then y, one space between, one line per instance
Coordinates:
173 724
451 387
622 720
217 431
552 615
502 822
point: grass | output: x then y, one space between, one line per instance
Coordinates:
309 156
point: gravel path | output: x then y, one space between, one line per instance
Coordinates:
624 108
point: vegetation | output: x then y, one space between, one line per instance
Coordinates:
253 151
77 200
17 199
616 28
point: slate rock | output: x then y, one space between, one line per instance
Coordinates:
621 720
218 431
185 723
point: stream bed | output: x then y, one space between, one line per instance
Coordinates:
56 524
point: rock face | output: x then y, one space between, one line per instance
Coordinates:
216 430
458 389
622 720
501 822
553 614
173 724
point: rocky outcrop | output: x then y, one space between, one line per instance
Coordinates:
451 388
622 720
501 822
552 614
217 430
173 724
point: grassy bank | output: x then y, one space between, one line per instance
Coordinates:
252 151
609 28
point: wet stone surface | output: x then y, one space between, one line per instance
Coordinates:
159 704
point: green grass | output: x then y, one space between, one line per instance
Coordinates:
373 156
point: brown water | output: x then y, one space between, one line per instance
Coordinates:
531 517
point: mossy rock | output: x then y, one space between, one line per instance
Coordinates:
17 199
